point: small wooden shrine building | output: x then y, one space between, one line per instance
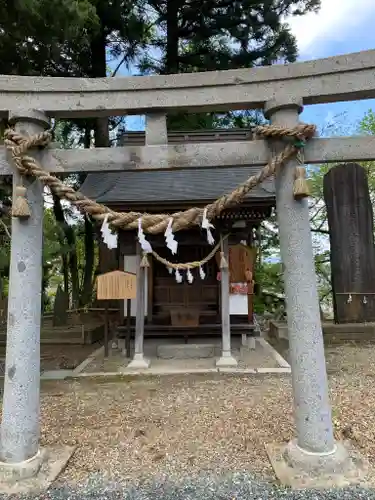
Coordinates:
172 307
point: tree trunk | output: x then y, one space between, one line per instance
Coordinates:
101 138
171 57
99 70
71 241
45 281
65 272
89 263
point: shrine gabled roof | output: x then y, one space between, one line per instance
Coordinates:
164 186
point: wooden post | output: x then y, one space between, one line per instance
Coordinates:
226 359
106 330
250 295
128 327
138 360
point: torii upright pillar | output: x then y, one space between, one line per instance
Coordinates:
315 452
20 424
20 455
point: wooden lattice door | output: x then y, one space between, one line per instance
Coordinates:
201 295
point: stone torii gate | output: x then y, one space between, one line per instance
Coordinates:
280 90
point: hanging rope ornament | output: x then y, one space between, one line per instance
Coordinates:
109 238
145 245
20 205
189 276
172 244
300 186
202 274
144 261
154 223
178 276
223 260
206 224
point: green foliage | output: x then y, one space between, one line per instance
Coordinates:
211 35
196 35
268 275
78 37
38 32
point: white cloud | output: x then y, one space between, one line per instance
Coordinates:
332 23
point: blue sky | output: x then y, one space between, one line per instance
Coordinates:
340 27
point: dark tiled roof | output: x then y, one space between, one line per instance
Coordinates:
163 186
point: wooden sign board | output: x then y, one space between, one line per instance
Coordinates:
116 285
241 259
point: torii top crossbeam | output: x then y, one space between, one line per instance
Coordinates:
343 78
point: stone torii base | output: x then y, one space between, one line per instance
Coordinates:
36 474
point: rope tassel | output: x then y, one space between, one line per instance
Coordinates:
20 206
144 261
300 186
223 261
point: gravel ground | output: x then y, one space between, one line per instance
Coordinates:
185 426
229 487
196 437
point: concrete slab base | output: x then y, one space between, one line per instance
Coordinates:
37 474
226 361
185 351
56 374
332 332
272 352
345 468
138 362
88 360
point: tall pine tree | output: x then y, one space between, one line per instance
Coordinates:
207 35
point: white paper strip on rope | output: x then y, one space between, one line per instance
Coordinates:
172 244
109 238
145 245
206 224
189 276
170 270
178 276
202 274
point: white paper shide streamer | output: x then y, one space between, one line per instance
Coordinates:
109 238
202 274
172 244
206 224
178 276
145 245
189 276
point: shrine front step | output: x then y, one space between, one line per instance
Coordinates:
187 351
